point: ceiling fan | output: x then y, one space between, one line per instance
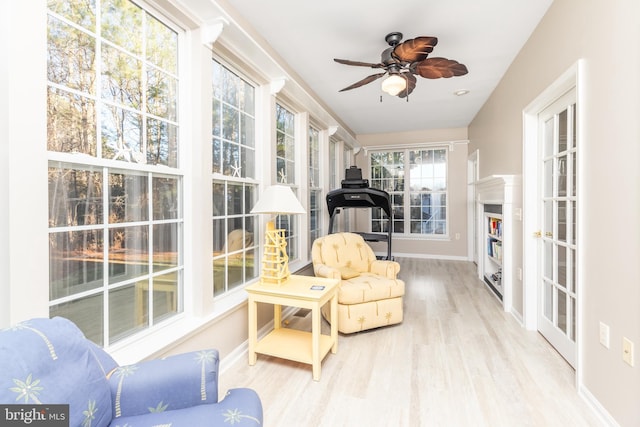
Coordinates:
402 61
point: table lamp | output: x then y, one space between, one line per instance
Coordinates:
276 200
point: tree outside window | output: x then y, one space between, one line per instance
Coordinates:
234 190
285 172
115 216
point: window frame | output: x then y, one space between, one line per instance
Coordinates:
133 167
314 186
236 178
290 223
406 193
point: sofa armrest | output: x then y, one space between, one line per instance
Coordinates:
323 270
389 269
175 382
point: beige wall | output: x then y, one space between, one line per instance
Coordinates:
457 192
605 34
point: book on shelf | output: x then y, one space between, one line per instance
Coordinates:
495 227
494 249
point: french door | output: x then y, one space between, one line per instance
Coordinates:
558 204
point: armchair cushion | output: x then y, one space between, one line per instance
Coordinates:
348 273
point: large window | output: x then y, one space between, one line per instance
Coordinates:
417 183
316 202
234 184
286 173
115 190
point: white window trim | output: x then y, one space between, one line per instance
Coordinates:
406 148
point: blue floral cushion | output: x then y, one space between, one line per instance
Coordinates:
50 361
176 382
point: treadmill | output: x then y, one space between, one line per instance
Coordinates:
356 193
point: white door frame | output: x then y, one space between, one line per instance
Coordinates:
531 221
473 165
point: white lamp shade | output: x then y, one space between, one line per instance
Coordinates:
394 84
278 199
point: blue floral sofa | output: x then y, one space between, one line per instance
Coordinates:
49 361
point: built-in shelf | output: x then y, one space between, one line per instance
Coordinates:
494 233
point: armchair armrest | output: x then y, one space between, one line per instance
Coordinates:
176 382
240 407
323 270
386 268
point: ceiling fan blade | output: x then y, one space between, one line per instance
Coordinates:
358 63
411 85
415 50
364 81
435 68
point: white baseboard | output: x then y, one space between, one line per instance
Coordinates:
425 256
518 317
597 407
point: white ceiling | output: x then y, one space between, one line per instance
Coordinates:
485 35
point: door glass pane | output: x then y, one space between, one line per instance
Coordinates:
573 320
548 138
562 221
572 281
547 299
574 229
548 218
562 266
573 125
562 310
562 131
572 184
562 176
548 260
548 180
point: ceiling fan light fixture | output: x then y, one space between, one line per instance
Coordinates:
394 84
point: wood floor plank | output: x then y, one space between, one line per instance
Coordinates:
457 359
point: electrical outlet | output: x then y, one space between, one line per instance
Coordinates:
604 335
457 236
519 273
627 351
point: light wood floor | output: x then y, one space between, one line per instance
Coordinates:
456 360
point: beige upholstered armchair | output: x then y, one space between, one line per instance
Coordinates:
370 293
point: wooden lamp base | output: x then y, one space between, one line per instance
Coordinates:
275 262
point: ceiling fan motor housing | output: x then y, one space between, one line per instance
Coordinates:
393 38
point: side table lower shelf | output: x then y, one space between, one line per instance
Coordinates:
301 346
293 345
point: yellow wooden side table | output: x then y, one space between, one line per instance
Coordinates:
297 291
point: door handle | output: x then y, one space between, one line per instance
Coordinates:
537 234
548 234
